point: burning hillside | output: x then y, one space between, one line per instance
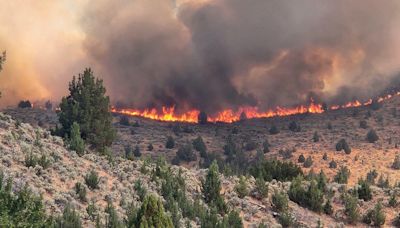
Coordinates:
229 115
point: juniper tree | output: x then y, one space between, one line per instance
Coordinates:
211 188
88 106
152 214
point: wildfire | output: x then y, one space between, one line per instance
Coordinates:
229 115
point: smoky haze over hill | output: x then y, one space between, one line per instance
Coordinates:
213 55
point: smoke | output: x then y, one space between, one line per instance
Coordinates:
210 55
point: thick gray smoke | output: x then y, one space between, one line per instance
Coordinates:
212 55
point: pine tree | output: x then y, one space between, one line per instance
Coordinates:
152 214
241 188
88 106
76 143
69 219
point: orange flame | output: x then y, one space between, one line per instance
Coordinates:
229 115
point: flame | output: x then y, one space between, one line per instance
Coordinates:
230 116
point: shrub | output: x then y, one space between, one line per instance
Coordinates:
112 219
308 162
273 130
375 216
261 187
69 218
393 200
152 214
375 105
275 169
371 176
363 124
332 164
124 121
137 152
351 208
280 201
342 176
301 158
88 106
372 136
383 182
129 152
200 146
76 142
170 144
241 188
20 208
266 146
184 153
312 198
80 191
286 219
342 145
250 145
25 104
48 105
325 156
364 190
92 180
234 220
140 190
44 162
150 147
30 160
328 209
316 137
294 126
202 118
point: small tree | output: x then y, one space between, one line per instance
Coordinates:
241 188
200 146
92 180
150 147
343 145
316 137
351 208
202 118
343 175
301 158
124 121
266 146
80 191
364 190
328 209
396 163
211 188
280 201
137 152
294 126
332 164
170 144
372 136
376 216
184 153
273 130
152 214
261 187
76 142
69 218
363 124
308 162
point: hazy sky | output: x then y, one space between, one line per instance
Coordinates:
207 55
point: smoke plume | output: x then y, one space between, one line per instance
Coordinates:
206 55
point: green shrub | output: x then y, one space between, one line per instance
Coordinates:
44 162
351 208
286 219
275 169
383 182
308 162
152 214
261 187
375 216
294 126
137 152
393 200
301 158
316 137
396 163
92 180
184 153
30 160
371 176
211 188
325 156
266 146
112 219
76 143
91 209
280 202
273 130
140 190
124 121
328 209
241 188
80 191
150 147
364 190
363 124
200 146
342 176
69 219
20 208
129 152
332 164
372 136
170 144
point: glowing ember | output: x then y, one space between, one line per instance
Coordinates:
229 116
